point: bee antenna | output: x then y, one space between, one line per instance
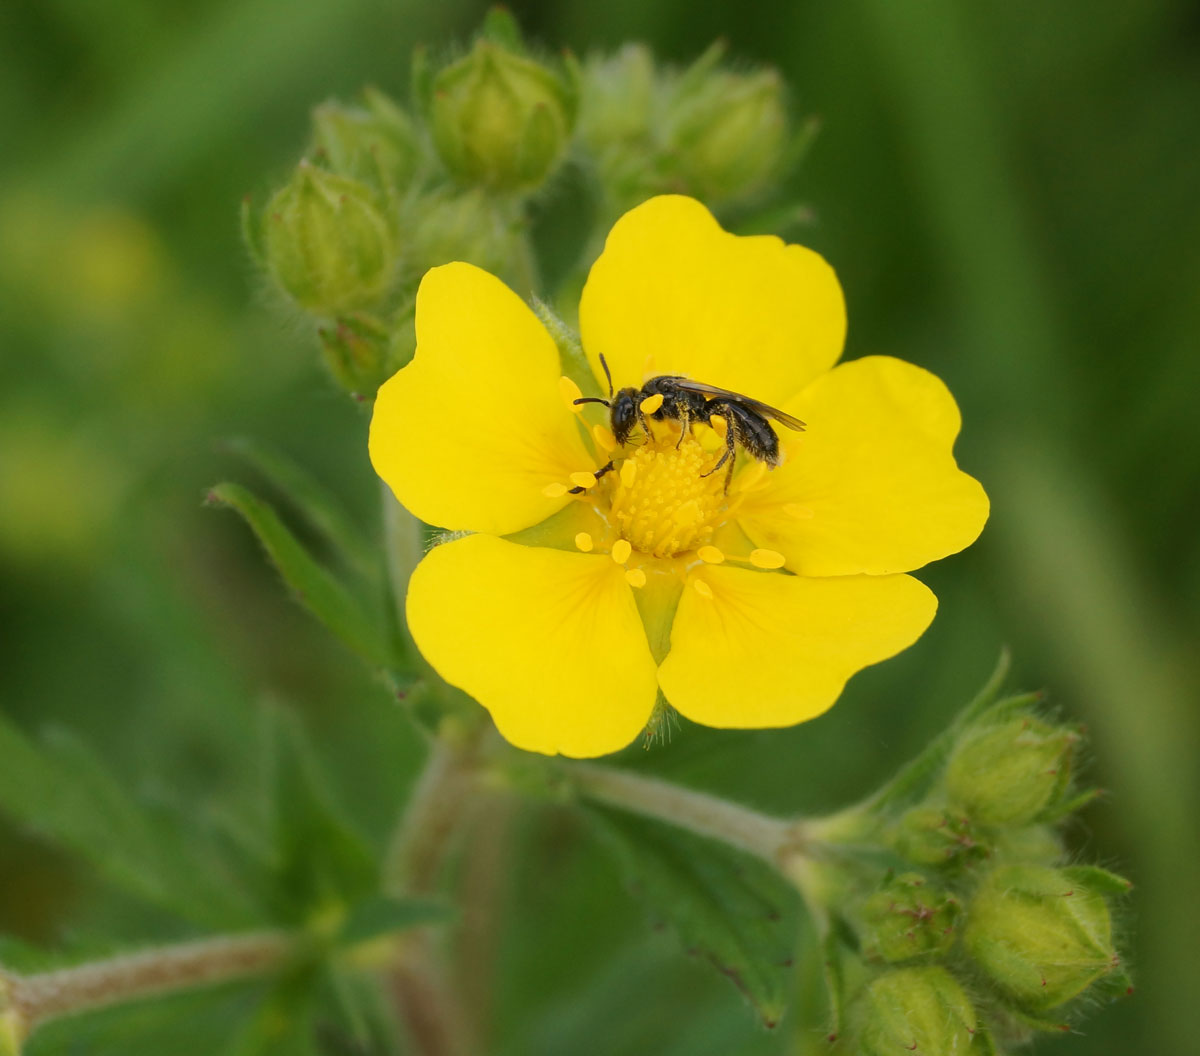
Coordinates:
590 399
607 374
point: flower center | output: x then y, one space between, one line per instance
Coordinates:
661 501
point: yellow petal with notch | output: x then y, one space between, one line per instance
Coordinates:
872 486
549 641
673 293
761 649
470 433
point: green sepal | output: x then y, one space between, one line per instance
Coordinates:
723 905
319 506
311 583
500 27
1101 881
574 362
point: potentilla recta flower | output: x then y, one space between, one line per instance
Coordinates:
748 602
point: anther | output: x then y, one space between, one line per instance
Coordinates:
584 542
766 559
635 577
651 403
604 438
702 588
710 555
570 393
628 472
719 425
621 550
583 480
554 491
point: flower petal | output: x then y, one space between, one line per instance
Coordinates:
769 649
872 486
673 293
548 641
470 432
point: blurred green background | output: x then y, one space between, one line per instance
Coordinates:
1009 193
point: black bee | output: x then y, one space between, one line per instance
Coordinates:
686 401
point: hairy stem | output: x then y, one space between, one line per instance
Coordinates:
766 837
47 996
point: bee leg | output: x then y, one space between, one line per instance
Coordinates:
727 456
598 474
685 422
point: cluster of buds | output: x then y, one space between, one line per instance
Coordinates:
385 192
717 134
966 931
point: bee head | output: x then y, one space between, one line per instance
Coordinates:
623 414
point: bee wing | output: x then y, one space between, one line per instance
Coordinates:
767 411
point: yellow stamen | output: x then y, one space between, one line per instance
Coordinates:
604 438
584 542
583 480
766 559
801 513
635 577
702 588
554 491
651 403
710 555
663 503
570 393
621 551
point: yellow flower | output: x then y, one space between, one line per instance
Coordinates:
565 614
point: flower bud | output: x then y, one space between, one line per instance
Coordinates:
1039 934
937 836
375 144
1011 773
909 918
729 133
499 119
326 242
617 98
356 349
466 225
920 1010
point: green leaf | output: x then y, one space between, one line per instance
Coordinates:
61 790
318 505
322 864
323 595
725 906
382 915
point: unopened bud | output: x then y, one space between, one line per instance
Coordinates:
356 348
617 98
375 143
326 242
1011 773
500 119
1041 935
729 133
910 918
937 836
466 225
921 1010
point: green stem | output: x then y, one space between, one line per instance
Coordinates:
48 996
775 840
